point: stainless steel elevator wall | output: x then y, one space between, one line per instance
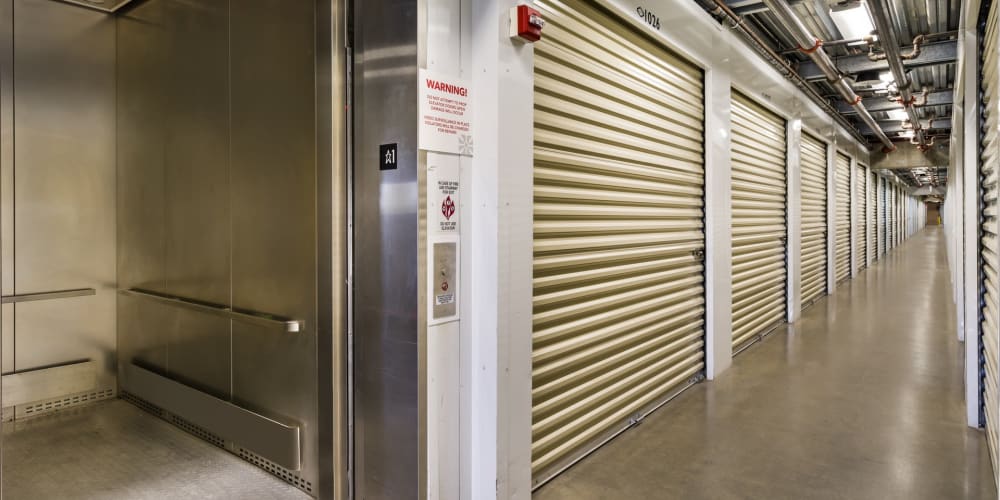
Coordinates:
217 198
57 171
387 262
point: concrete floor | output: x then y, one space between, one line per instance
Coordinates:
860 399
113 450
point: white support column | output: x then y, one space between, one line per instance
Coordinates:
971 230
831 218
497 258
953 215
853 203
793 218
718 223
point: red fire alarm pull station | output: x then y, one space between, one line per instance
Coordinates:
526 23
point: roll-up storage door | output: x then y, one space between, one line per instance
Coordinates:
880 214
895 217
891 211
619 298
902 215
758 191
990 285
814 224
842 247
904 221
860 216
872 218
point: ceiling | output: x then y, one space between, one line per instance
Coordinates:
933 71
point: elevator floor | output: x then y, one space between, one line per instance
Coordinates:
861 399
113 450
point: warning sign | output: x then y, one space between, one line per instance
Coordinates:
445 118
444 194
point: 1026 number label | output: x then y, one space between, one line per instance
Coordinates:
650 18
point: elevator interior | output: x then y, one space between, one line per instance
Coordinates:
159 221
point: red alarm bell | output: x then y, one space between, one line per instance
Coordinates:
526 23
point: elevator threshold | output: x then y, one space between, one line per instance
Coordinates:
114 450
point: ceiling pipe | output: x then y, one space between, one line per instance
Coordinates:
869 40
720 9
882 16
813 47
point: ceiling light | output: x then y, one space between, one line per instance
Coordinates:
898 114
886 77
908 134
852 19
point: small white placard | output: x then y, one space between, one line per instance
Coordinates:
444 113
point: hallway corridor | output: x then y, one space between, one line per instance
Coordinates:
860 399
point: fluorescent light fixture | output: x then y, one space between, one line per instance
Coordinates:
886 77
853 20
898 114
906 135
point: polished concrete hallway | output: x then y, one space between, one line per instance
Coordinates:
860 399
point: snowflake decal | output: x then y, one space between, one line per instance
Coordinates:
465 145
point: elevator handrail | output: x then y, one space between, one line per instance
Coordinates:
287 324
58 294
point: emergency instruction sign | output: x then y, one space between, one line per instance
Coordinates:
444 114
444 194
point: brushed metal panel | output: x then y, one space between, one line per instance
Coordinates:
276 439
47 383
386 259
142 140
144 331
144 328
198 352
196 151
64 183
7 330
7 167
273 189
174 185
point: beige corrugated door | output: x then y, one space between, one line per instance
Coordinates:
758 193
872 215
813 163
842 246
881 217
901 214
891 220
990 287
860 216
619 299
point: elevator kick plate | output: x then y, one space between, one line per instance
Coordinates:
274 440
48 383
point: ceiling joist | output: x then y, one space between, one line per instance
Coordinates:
931 54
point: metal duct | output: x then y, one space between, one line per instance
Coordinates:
882 15
813 47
